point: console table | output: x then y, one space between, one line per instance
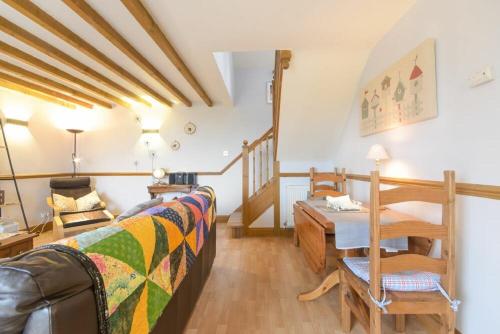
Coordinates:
161 188
16 245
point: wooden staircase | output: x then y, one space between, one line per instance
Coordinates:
261 169
260 201
258 183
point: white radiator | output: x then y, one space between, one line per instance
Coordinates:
293 194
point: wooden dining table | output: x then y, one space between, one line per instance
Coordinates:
315 227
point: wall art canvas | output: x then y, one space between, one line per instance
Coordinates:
404 94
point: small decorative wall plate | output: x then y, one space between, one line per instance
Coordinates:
190 128
175 145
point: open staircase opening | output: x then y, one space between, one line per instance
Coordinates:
261 169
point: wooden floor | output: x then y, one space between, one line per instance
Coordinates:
253 288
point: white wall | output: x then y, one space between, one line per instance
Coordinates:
464 138
114 142
224 61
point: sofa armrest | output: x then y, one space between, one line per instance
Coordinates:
57 228
54 207
109 214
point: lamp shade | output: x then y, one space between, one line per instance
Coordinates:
377 152
159 173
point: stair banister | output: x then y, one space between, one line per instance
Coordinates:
245 184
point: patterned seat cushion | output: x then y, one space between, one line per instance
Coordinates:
403 281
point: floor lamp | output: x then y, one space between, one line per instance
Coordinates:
74 157
12 171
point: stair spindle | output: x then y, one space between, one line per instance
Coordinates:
254 180
260 164
267 158
245 185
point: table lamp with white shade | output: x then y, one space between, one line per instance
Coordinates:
159 174
378 153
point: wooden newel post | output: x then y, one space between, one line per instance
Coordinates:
276 197
245 184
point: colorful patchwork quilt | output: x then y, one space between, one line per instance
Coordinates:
142 260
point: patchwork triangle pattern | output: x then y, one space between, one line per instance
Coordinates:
171 215
176 263
119 278
161 245
190 221
121 320
157 301
174 234
143 259
192 241
190 256
161 275
122 246
181 269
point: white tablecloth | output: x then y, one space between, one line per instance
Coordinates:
352 229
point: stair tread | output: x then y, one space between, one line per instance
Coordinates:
235 219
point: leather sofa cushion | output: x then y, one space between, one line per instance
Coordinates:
34 280
69 183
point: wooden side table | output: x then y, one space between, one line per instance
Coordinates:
161 188
16 245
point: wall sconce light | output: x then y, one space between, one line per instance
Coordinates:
378 153
150 131
18 122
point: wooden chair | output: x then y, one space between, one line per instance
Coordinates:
327 184
75 187
367 301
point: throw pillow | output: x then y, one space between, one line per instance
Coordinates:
88 202
139 208
64 203
342 203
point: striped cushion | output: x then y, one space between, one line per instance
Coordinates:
403 281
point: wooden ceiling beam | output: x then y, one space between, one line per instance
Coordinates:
140 13
92 17
43 90
26 37
51 83
21 89
36 14
46 67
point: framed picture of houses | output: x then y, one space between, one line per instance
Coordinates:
404 94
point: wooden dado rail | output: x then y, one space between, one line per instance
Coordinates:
467 189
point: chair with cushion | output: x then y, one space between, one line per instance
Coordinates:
403 283
327 184
324 184
75 206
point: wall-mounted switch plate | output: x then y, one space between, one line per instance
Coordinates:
481 77
225 153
